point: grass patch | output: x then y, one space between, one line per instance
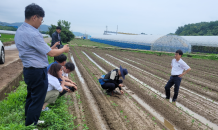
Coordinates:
12 113
12 110
7 37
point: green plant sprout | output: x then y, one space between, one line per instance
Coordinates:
121 111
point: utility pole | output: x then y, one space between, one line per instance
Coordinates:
117 29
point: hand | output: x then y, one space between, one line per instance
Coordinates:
120 85
75 88
57 43
67 89
121 91
66 48
74 83
181 75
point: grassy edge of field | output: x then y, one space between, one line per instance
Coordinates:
12 112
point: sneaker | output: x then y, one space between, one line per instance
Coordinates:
46 109
167 99
109 93
115 92
40 122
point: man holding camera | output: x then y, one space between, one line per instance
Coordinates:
56 37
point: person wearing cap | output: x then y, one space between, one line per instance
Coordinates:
113 81
33 52
56 37
178 66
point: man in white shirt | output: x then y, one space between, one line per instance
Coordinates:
178 66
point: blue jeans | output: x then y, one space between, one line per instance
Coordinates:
173 80
37 85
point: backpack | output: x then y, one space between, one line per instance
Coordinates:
102 80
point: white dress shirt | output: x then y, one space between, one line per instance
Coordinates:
178 67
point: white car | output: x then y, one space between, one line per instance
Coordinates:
2 53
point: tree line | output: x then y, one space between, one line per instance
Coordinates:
8 28
199 29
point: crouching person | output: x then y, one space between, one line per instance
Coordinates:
67 68
54 86
111 80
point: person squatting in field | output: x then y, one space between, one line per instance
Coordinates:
66 68
111 80
178 66
55 88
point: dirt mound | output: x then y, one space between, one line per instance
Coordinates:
8 43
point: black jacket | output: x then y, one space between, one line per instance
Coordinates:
56 39
113 77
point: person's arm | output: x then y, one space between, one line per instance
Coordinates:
186 67
54 46
57 52
70 85
68 80
185 72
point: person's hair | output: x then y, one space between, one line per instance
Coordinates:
53 70
34 9
180 52
70 66
61 58
58 27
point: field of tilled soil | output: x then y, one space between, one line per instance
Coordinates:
143 106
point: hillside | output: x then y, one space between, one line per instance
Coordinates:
199 29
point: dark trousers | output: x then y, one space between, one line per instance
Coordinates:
173 80
111 86
64 91
37 85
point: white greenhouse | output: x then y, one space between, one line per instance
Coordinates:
168 43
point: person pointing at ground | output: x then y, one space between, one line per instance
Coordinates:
111 80
178 66
33 52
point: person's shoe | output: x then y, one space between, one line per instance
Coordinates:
40 122
173 100
115 92
46 109
167 99
110 93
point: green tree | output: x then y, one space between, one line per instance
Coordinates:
66 34
202 29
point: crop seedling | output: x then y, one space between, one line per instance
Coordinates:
121 111
85 127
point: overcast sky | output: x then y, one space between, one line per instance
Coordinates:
132 16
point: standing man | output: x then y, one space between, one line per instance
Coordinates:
178 66
33 52
56 37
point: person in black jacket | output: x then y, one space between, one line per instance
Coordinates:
56 37
112 80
